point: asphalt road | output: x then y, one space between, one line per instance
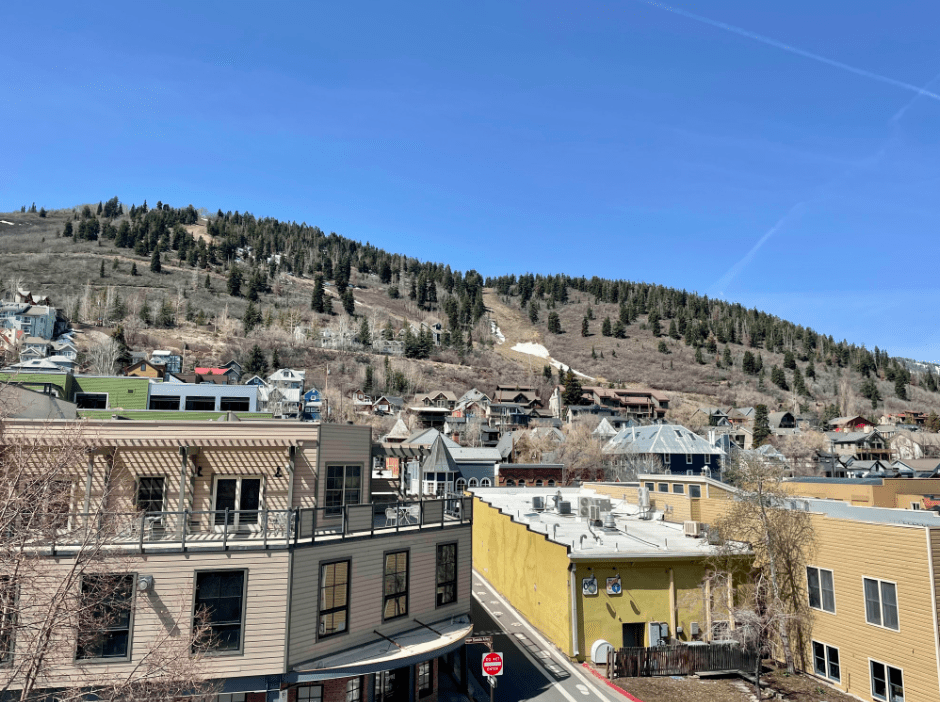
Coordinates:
533 669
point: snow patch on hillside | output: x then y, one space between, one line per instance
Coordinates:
533 349
494 329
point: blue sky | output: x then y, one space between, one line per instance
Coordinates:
614 139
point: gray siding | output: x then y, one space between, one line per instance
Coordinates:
365 602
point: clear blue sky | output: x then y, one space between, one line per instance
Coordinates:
617 139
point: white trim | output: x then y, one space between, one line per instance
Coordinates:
238 493
820 608
897 601
826 648
933 603
871 679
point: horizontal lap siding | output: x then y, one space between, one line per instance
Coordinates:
345 444
305 478
854 550
366 577
171 603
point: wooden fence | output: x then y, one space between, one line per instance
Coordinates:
679 660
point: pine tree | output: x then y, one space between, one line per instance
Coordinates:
779 378
727 358
208 283
572 392
316 299
605 327
810 370
275 359
369 383
101 270
664 349
748 364
585 327
364 336
788 360
251 318
146 316
653 323
349 302
619 331
698 356
166 318
533 312
134 269
234 283
933 422
900 387
761 425
547 373
673 330
67 230
256 364
554 323
155 261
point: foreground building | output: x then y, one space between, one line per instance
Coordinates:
264 533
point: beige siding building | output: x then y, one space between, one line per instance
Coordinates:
264 534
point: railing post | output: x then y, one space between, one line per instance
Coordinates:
398 516
225 532
293 517
313 525
264 527
143 522
443 511
184 525
345 520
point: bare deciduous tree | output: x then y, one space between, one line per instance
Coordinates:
627 466
65 586
102 356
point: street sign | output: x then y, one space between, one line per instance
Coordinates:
488 640
492 680
492 664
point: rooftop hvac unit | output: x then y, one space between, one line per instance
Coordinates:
538 503
643 495
714 538
564 507
594 514
602 503
693 529
584 506
609 522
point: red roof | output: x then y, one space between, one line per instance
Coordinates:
212 371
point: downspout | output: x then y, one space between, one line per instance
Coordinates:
933 601
574 610
672 603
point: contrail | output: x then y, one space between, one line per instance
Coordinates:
794 50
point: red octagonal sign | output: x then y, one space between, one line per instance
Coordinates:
493 664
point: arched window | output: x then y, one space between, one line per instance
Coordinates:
485 482
510 483
538 483
522 483
473 482
461 484
551 483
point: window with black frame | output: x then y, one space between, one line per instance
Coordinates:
343 487
334 598
219 610
105 617
446 574
395 603
150 491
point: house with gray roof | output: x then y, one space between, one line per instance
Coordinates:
680 450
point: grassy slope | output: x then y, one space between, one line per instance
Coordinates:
62 267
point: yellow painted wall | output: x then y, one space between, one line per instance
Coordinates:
645 598
893 493
526 568
708 508
898 553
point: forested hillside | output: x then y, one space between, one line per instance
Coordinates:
225 282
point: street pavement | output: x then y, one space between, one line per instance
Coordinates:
533 668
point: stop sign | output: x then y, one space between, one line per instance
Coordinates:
493 664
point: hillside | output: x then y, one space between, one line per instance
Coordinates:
495 330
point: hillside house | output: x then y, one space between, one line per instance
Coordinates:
860 445
850 424
526 396
711 416
781 420
33 320
145 369
679 450
173 362
388 405
288 378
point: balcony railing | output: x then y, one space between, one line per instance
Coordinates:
242 529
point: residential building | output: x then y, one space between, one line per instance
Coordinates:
313 405
329 596
33 320
288 378
145 369
860 445
526 396
850 424
534 475
888 492
679 450
173 362
202 397
507 416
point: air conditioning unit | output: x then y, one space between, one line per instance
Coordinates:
538 503
714 538
584 506
602 503
693 529
594 513
564 507
643 498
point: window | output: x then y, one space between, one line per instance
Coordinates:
425 686
663 487
551 483
708 458
334 598
820 587
695 490
395 602
461 485
887 683
354 690
220 600
310 693
46 504
678 488
232 697
234 404
881 603
343 487
826 661
510 483
667 458
538 483
241 497
446 574
522 483
105 624
473 482
688 458
915 505
150 495
91 400
7 617
165 402
649 486
200 403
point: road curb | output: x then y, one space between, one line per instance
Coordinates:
609 684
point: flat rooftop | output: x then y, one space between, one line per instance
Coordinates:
837 509
633 537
